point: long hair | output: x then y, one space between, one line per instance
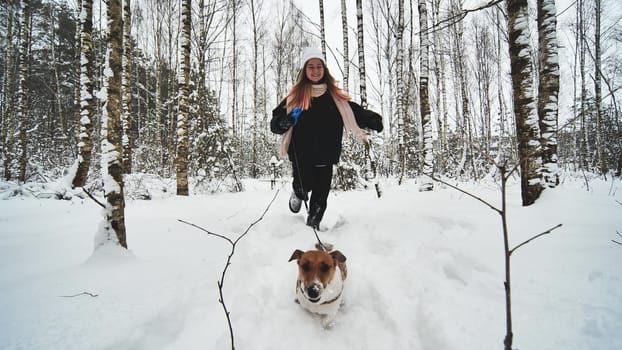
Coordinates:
301 93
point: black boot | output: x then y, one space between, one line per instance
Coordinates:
316 212
294 203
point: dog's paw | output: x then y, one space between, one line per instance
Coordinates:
328 322
296 301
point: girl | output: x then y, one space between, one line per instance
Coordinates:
312 118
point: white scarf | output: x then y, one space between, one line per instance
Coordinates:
346 115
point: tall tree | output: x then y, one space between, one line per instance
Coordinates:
346 54
525 111
548 89
322 28
182 118
585 150
22 104
401 116
426 119
126 83
112 231
255 8
462 101
360 31
600 147
441 91
234 69
85 136
8 117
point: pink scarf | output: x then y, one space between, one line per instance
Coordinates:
346 115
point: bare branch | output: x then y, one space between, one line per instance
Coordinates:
534 237
468 194
93 198
614 241
83 293
206 231
449 21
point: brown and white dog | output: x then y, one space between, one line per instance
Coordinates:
321 277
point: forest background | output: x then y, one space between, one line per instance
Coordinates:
196 92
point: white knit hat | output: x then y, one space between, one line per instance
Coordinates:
309 53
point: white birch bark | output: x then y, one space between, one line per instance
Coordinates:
548 89
112 230
22 95
346 54
426 118
181 160
8 118
525 111
400 90
85 136
126 83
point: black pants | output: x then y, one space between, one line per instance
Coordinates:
315 179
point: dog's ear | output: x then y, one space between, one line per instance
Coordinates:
338 256
297 254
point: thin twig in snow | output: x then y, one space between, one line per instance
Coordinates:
83 293
221 282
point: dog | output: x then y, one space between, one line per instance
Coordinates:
321 276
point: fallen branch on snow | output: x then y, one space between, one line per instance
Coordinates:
76 295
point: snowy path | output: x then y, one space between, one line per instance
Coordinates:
425 272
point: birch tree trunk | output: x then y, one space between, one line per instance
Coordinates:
85 137
548 90
426 120
22 104
76 86
8 118
322 28
584 136
126 119
181 162
112 230
369 152
461 98
600 147
500 96
400 90
361 52
441 96
525 112
157 124
255 59
234 72
60 115
346 54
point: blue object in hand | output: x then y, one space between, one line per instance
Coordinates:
296 112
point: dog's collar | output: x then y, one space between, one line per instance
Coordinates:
325 302
334 299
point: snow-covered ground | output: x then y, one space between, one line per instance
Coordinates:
425 271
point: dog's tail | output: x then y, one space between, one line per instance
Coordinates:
326 247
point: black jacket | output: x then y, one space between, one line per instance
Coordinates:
316 138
